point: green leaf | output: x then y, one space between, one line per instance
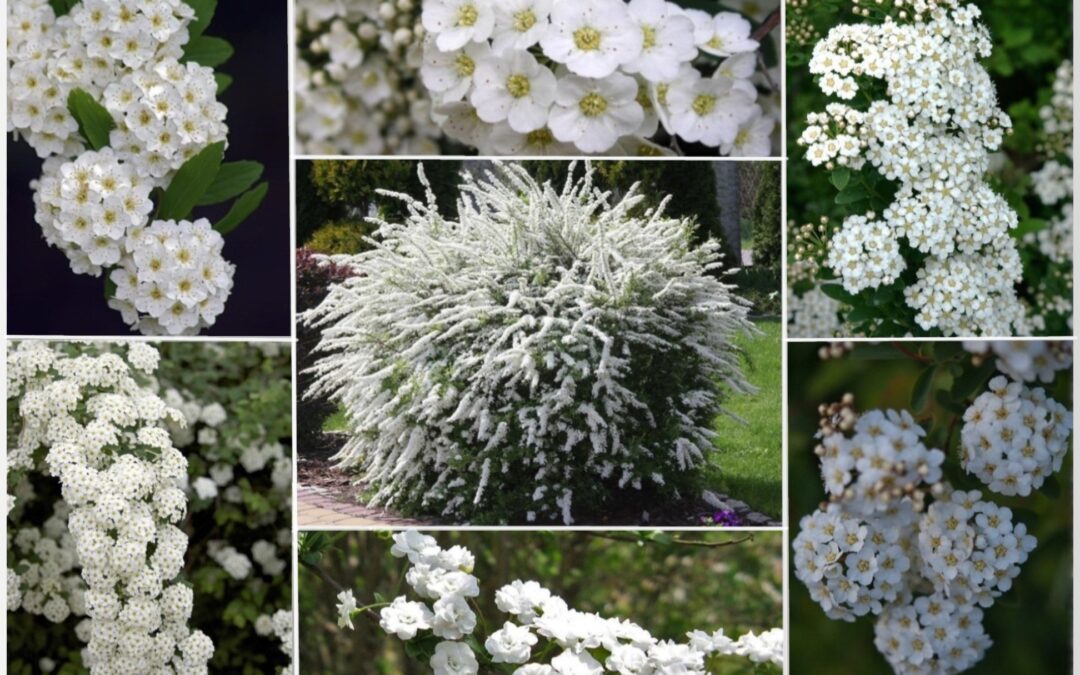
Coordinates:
860 314
945 401
224 81
191 182
947 349
1051 488
62 7
110 286
232 179
865 351
973 379
95 122
242 208
840 177
921 393
837 292
204 12
207 51
852 194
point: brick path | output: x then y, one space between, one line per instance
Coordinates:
319 508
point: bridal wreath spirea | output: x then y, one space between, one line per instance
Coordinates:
95 206
544 635
94 423
546 349
527 77
931 133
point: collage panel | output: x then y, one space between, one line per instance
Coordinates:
541 602
931 507
930 169
148 168
538 78
539 343
149 524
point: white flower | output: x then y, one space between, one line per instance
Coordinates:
576 663
519 24
452 618
594 114
592 38
725 34
514 88
455 23
454 658
510 644
754 138
708 110
404 618
346 605
204 487
668 39
450 73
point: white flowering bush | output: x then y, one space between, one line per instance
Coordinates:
120 101
898 540
547 351
535 632
921 235
113 527
531 77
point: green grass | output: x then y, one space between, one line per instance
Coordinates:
749 457
336 422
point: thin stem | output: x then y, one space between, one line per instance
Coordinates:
766 27
899 346
680 542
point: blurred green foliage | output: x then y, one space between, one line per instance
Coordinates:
1032 624
768 253
665 587
344 235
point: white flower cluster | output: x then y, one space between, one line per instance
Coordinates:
529 77
880 464
932 136
812 314
172 279
104 439
1025 360
280 625
626 648
232 561
1014 438
524 320
95 45
50 584
877 548
95 206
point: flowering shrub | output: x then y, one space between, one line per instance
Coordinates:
547 349
114 469
120 103
530 77
921 237
541 634
897 539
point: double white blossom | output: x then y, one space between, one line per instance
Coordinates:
586 643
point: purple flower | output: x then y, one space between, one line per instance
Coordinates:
725 518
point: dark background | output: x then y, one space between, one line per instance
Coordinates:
46 298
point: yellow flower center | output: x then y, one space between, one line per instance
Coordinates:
742 137
184 285
661 93
643 97
650 36
587 39
518 85
524 20
593 105
465 66
467 15
716 42
704 104
540 137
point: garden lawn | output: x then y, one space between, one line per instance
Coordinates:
748 463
